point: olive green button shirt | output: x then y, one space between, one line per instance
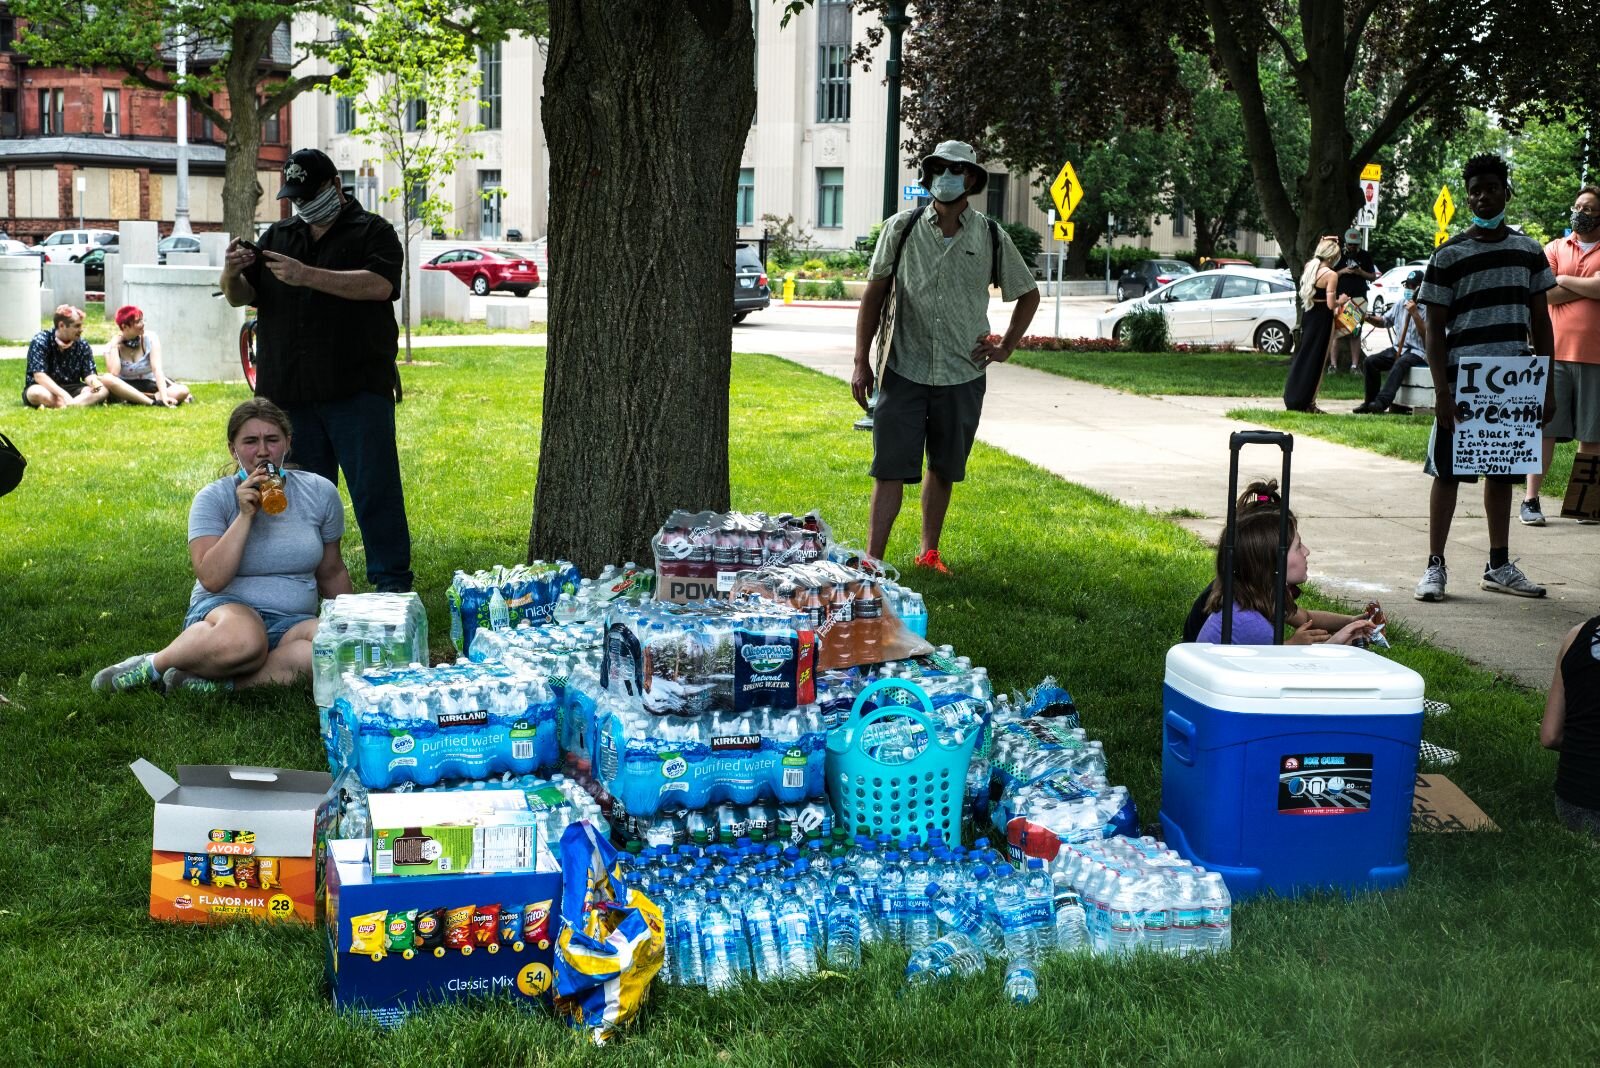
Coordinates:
943 294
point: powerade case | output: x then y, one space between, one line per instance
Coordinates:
1290 768
390 988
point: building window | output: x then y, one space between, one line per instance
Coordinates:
830 197
745 210
344 115
1180 221
416 194
8 33
347 182
490 195
833 61
9 126
416 115
489 87
994 204
272 128
111 112
52 104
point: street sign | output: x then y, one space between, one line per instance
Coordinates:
1063 231
1367 217
1444 209
1372 172
1440 238
912 192
1066 191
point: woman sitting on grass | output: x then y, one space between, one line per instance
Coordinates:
134 357
1571 726
1255 564
253 610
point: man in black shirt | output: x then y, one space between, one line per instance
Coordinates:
1355 269
323 283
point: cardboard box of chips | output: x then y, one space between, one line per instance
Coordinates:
233 842
394 944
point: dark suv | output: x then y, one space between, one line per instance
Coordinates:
1151 274
750 292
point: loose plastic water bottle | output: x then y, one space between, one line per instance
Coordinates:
740 948
1156 913
499 611
1217 911
843 950
718 956
891 895
797 946
1123 935
1072 932
917 919
1040 895
761 928
958 915
954 954
1022 986
869 871
1010 902
667 900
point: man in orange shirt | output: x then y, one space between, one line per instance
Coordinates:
1575 315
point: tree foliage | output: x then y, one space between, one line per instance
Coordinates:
407 62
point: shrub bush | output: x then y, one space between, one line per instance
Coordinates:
809 291
1027 239
835 290
1046 343
849 260
1145 331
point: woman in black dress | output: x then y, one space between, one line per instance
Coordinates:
1318 284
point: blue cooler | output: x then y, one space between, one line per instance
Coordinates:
1290 768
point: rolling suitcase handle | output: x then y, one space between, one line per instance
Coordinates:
1236 442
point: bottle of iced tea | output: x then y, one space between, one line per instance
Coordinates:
272 499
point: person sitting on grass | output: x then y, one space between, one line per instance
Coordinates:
134 359
1571 726
60 372
1255 564
252 612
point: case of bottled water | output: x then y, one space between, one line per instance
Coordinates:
525 591
362 632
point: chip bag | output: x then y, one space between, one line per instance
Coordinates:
608 950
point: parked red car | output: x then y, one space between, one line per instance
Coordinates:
488 270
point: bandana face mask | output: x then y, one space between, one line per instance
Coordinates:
320 208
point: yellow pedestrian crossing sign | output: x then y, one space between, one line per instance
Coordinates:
1444 209
1064 231
1066 191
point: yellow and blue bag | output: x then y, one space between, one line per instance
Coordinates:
608 949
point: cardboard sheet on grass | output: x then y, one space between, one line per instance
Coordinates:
1499 414
1583 489
1439 805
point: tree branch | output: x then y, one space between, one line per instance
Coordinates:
288 90
1358 28
1413 93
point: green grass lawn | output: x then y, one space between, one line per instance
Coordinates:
1405 437
1484 958
1199 374
451 328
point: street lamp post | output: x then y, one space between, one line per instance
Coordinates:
895 21
180 214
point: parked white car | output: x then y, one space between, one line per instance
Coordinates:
1250 307
1386 289
64 246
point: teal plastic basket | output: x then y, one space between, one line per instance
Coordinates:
901 798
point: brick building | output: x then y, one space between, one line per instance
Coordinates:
59 124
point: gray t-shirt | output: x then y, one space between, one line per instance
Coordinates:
277 570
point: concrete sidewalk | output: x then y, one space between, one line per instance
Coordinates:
1364 516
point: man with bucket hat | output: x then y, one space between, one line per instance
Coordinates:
1407 320
936 264
1355 269
323 283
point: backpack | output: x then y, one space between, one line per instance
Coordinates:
12 465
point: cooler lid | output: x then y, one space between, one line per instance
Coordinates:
1291 672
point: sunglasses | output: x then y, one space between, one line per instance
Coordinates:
940 166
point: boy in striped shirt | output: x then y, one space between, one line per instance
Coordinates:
1485 292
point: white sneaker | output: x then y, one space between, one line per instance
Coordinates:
1431 588
1434 708
1509 578
1437 755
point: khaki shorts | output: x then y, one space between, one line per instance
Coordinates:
1577 402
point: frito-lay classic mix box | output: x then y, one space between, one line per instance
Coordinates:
234 842
394 944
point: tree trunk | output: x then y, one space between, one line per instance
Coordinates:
646 111
1084 238
240 190
1205 234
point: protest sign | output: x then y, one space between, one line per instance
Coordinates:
1583 489
1499 408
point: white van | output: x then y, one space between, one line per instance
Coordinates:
64 246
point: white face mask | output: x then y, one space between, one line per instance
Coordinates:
320 208
947 187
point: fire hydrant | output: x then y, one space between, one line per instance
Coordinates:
788 289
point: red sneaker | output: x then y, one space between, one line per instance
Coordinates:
932 562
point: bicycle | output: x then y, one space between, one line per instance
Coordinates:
247 352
